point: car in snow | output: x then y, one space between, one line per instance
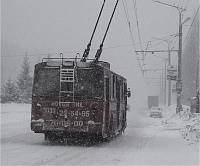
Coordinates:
156 112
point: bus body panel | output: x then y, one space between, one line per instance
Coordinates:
80 116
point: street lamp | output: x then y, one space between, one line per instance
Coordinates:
179 83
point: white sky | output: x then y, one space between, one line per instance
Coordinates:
54 26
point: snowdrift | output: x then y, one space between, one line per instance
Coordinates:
185 121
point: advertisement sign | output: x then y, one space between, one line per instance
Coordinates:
172 72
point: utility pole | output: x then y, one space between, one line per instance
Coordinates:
169 64
197 88
165 85
162 88
169 81
163 79
179 83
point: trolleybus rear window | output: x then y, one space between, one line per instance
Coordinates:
46 82
87 83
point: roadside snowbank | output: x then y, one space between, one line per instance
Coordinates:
186 122
145 142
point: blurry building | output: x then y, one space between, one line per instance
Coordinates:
190 61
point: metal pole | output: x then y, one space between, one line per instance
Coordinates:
179 84
165 86
197 87
169 63
169 81
162 89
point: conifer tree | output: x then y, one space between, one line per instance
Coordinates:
24 82
9 92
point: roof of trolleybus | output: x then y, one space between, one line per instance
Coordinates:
89 81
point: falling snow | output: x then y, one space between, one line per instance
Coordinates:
146 141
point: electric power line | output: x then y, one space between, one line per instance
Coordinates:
139 36
129 24
187 3
191 26
172 17
72 52
188 30
130 30
137 23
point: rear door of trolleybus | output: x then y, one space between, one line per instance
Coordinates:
89 90
45 97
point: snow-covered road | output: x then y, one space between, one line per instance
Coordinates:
145 142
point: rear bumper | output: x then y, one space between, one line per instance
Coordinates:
156 115
42 127
37 125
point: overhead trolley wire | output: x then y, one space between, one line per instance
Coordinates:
142 66
173 12
125 7
188 30
129 24
71 52
187 3
174 36
140 41
137 22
